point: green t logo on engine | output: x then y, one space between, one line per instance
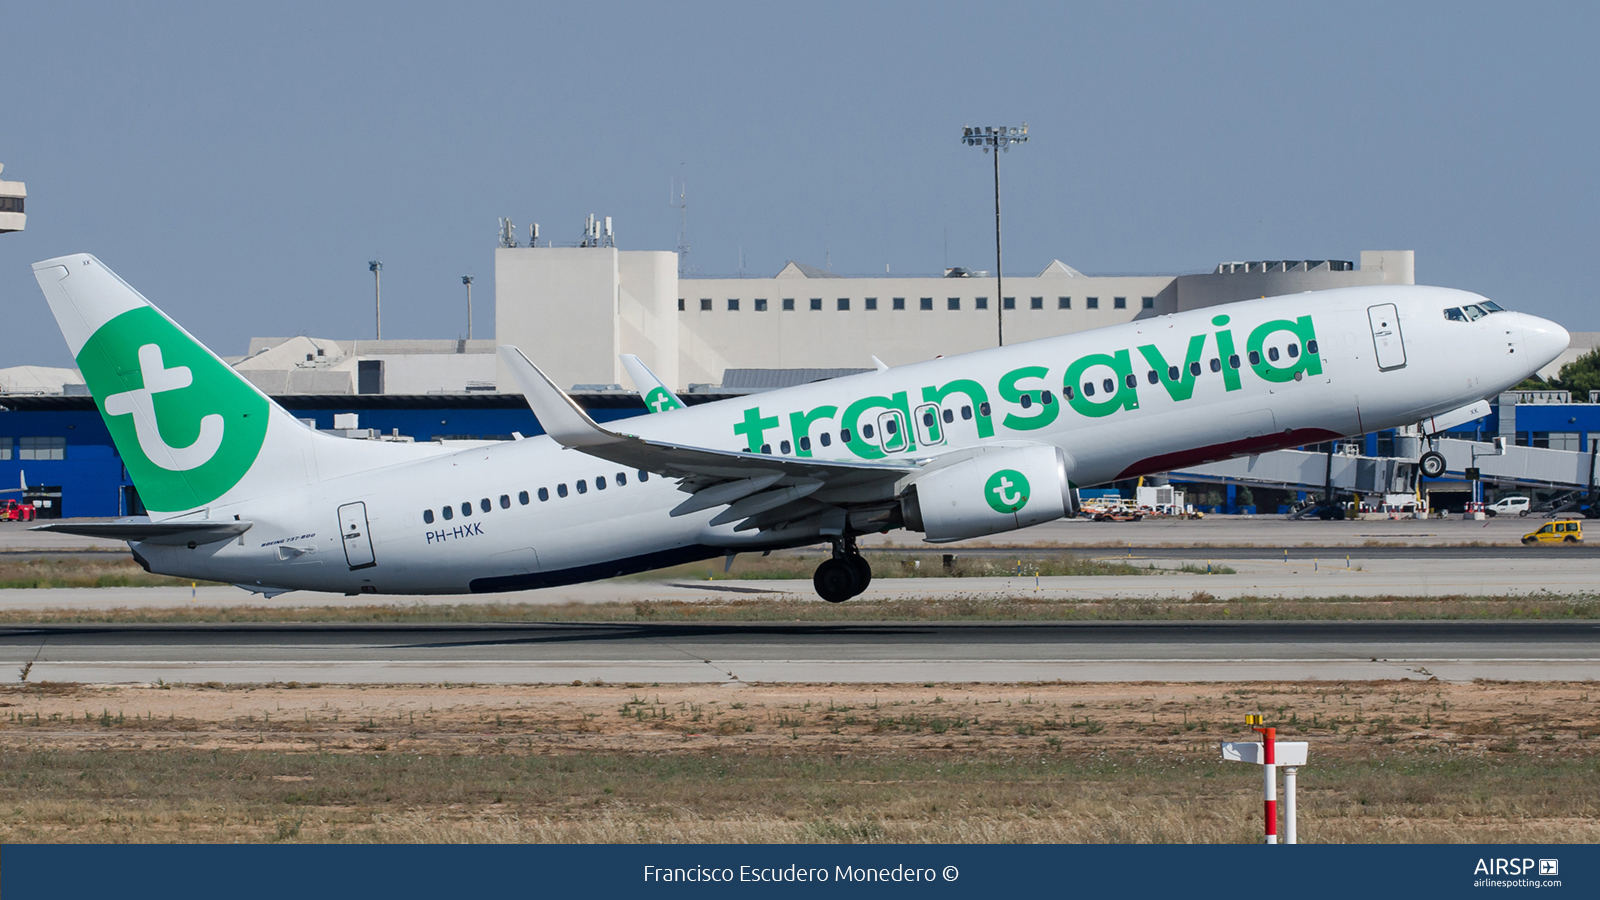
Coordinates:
1006 491
188 428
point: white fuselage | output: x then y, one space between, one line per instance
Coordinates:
1429 365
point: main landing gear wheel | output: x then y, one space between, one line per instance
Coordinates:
1431 464
863 572
835 580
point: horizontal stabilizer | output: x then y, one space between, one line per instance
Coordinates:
141 528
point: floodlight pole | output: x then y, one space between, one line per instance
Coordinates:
996 139
467 280
376 268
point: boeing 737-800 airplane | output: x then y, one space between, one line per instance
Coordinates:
240 491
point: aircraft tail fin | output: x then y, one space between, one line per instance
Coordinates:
190 429
656 395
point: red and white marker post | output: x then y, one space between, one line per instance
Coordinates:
1269 767
1269 754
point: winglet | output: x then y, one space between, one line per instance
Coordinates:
657 396
561 418
882 366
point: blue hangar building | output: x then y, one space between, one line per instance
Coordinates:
60 445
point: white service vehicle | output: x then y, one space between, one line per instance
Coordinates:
240 491
1515 505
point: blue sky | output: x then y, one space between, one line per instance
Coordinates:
240 164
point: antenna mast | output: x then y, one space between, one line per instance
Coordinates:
677 197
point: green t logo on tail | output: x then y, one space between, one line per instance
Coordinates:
1006 491
187 426
658 400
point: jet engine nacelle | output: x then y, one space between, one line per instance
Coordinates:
995 490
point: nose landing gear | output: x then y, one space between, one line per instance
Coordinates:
844 575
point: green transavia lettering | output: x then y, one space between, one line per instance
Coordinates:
1094 385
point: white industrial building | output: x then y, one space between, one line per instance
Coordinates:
574 309
13 199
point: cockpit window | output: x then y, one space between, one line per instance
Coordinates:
1474 311
1454 314
1492 306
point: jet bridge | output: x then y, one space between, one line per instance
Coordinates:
1531 467
1306 471
1527 467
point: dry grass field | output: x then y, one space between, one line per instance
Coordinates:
1400 762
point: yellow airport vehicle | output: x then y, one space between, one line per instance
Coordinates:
1562 531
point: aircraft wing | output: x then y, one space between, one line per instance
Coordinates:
764 491
141 528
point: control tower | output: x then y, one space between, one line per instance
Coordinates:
12 194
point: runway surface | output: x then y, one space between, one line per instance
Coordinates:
885 652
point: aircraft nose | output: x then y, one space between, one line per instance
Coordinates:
1542 339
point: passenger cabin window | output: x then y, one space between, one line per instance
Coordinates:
1154 377
1194 369
485 505
522 497
866 432
1293 350
844 435
622 478
950 416
561 489
783 447
583 486
1233 361
600 482
427 517
544 495
1109 385
966 413
643 476
1255 357
1216 364
466 508
448 513
1272 354
983 409
805 443
826 438
505 501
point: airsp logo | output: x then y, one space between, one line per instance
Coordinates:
188 428
1006 491
658 400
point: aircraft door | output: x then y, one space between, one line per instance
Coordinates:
1386 340
892 430
930 429
357 541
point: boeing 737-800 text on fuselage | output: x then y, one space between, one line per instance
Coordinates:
240 491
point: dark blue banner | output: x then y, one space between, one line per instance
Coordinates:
312 872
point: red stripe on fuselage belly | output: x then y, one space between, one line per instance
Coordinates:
1249 446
